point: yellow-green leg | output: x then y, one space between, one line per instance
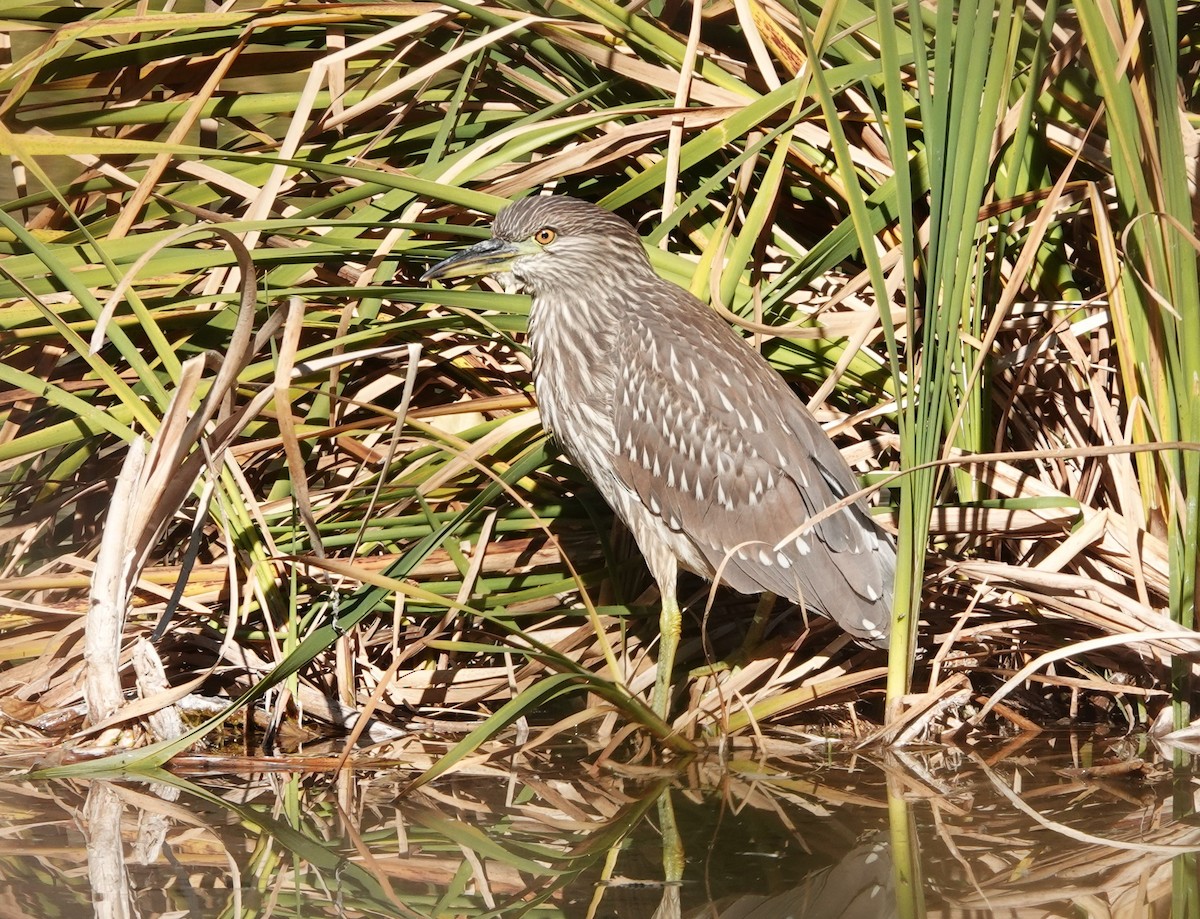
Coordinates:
669 624
745 651
754 634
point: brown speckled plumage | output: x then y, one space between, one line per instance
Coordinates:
697 444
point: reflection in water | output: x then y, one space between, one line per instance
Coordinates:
808 834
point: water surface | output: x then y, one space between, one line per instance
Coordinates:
1069 826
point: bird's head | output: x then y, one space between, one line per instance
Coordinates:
552 243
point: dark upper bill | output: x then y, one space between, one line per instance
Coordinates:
491 256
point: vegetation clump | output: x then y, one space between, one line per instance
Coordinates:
965 232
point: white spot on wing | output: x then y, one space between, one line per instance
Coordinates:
802 545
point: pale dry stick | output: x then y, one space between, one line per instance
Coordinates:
960 622
410 382
754 40
335 40
1079 835
520 501
151 488
1071 595
1008 295
866 326
626 65
469 580
978 459
131 210
147 706
1121 468
108 598
618 142
1091 531
317 78
141 707
165 721
1082 647
293 326
682 93
482 888
117 571
108 877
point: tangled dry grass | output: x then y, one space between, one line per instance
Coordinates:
335 483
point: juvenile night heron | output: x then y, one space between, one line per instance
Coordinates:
701 449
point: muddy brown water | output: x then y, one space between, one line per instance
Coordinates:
1064 826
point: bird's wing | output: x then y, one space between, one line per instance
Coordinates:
716 445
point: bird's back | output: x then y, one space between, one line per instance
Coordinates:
696 443
707 435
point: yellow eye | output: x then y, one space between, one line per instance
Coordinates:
544 236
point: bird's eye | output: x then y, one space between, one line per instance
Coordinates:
544 236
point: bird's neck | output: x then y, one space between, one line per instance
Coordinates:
566 327
571 340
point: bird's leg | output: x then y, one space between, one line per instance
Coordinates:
669 624
762 615
754 634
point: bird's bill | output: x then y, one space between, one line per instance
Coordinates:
492 256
